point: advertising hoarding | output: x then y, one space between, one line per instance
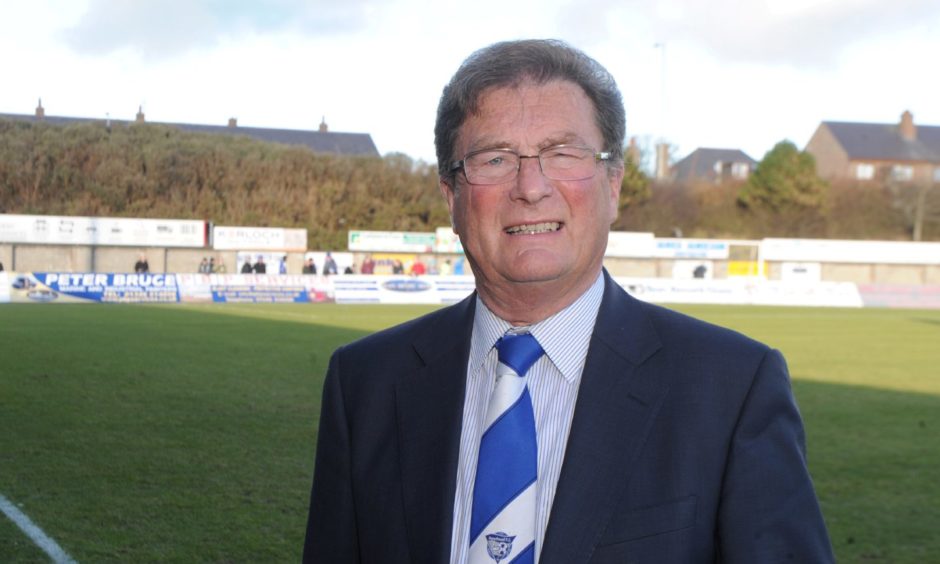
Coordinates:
392 241
114 231
258 238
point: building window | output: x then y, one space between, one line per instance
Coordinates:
865 171
902 173
740 170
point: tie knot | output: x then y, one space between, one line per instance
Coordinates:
519 351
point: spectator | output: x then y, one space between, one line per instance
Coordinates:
282 265
260 267
418 268
247 268
368 266
310 267
398 267
140 267
329 265
445 269
204 266
349 270
220 266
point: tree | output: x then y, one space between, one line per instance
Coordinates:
635 187
919 204
785 180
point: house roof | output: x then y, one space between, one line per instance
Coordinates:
700 163
883 141
358 144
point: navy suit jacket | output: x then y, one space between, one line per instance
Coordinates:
686 446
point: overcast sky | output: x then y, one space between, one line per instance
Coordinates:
729 74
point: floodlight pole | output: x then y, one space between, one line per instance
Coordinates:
662 148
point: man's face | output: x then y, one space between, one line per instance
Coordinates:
532 230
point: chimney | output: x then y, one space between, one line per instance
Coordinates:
140 114
323 127
662 161
633 152
40 111
907 129
232 122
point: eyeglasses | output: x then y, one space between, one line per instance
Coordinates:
558 162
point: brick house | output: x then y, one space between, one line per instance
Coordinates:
714 165
901 151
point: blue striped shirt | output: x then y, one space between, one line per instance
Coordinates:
553 385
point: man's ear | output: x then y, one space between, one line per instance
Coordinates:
615 184
449 192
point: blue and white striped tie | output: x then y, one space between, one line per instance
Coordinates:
502 525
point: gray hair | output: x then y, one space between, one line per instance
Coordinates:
508 64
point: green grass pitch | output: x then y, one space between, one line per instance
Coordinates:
187 433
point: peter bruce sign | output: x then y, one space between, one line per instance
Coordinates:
70 287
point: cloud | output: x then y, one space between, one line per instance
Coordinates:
159 29
815 34
587 23
799 33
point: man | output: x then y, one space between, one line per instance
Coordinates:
659 438
141 266
310 267
418 268
368 265
329 265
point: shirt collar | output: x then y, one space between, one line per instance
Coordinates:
564 336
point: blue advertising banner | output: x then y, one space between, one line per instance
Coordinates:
95 287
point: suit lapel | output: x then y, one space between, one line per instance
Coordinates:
430 412
617 403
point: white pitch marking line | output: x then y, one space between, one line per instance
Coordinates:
48 545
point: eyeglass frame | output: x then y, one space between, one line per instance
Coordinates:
599 156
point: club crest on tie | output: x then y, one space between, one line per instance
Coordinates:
499 545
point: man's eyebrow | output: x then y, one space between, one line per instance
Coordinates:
561 139
485 143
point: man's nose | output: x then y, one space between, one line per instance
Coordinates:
531 185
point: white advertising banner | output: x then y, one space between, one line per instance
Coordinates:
645 245
116 231
691 249
743 292
630 244
801 271
4 288
825 250
258 238
254 288
401 289
392 241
